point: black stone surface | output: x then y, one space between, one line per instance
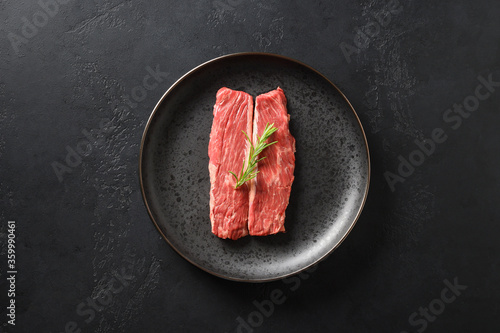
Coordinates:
75 94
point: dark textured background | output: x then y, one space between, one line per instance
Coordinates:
75 236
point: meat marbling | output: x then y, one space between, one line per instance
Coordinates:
270 190
258 207
233 111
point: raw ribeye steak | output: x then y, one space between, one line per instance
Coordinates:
270 190
227 149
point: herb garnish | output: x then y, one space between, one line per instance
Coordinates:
249 172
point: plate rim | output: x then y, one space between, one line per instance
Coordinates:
186 76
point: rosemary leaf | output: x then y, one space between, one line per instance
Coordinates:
248 169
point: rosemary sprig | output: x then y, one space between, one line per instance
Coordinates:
249 171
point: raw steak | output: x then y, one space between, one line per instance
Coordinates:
270 190
233 112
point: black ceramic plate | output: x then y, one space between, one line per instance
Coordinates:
331 175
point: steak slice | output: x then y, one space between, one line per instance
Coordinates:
233 112
270 190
